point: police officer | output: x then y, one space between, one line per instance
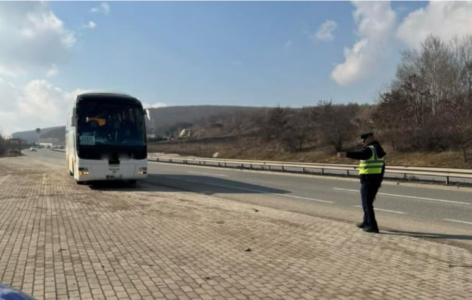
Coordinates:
371 171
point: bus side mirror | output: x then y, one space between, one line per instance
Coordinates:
73 121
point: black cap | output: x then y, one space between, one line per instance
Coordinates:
367 134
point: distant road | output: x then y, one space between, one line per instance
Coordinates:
440 213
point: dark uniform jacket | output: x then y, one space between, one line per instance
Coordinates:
365 154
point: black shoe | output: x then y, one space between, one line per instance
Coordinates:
371 229
360 225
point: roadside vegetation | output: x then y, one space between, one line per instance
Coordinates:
3 148
424 119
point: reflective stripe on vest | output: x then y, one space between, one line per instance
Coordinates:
373 165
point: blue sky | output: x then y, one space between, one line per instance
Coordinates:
193 53
227 53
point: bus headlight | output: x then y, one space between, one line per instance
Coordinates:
83 171
142 170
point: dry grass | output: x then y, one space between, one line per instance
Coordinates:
249 149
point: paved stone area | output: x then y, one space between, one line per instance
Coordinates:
59 240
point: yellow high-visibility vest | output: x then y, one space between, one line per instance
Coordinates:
373 165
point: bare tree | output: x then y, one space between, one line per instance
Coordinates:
298 130
459 127
334 123
275 123
433 69
391 118
431 98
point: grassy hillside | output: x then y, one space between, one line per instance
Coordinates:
162 119
174 117
55 133
252 149
51 134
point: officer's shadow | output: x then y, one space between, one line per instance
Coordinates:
429 235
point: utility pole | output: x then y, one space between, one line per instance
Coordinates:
38 131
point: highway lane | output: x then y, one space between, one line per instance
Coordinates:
441 212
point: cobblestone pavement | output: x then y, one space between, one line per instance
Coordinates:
59 240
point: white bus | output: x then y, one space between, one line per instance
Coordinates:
106 138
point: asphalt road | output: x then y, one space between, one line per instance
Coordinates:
435 212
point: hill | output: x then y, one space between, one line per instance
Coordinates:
169 119
163 119
54 135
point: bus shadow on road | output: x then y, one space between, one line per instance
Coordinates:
211 185
429 235
123 186
187 183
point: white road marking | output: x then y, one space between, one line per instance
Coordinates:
4 178
211 174
305 198
346 190
405 196
253 190
385 210
458 221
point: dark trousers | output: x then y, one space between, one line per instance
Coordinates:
368 193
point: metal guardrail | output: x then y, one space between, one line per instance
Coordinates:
404 173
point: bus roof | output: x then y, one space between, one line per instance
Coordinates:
99 94
103 93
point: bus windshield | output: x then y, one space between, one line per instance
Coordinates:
111 124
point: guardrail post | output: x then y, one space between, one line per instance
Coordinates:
283 169
303 170
447 180
322 171
269 167
347 173
250 166
170 160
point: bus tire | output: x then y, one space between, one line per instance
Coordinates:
72 173
132 182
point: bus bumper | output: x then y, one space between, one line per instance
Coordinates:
93 170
